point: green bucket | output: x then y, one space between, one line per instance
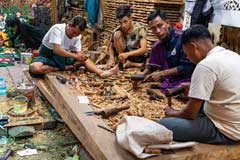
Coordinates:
20 104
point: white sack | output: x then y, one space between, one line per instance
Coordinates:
135 133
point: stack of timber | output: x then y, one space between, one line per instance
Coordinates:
101 143
79 10
65 14
230 38
109 21
140 11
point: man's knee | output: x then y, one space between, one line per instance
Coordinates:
175 124
187 130
36 67
181 131
165 121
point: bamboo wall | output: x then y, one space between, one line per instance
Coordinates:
140 8
66 14
230 38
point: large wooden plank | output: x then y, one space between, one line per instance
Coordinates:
204 152
102 144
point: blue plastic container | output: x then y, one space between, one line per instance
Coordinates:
3 89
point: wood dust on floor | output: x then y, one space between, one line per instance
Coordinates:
102 94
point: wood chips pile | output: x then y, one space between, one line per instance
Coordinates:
102 95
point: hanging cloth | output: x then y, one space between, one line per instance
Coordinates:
92 8
198 16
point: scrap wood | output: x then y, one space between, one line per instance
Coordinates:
105 139
101 57
138 100
152 150
84 128
90 92
95 105
105 113
139 112
104 50
123 94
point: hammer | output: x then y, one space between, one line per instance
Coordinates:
135 78
154 67
61 79
173 92
120 66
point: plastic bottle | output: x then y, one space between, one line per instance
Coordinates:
3 89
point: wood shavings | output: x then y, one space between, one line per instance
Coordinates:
138 100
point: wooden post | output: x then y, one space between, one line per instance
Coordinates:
100 143
54 11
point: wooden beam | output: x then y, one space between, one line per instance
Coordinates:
102 144
54 11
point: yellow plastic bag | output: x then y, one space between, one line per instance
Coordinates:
4 36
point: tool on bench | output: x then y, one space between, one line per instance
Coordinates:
4 120
6 154
61 79
173 92
135 78
120 66
153 67
154 95
107 112
105 128
55 115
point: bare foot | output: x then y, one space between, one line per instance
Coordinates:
40 68
102 66
110 64
130 64
110 72
69 67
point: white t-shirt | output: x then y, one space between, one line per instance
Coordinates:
216 79
57 35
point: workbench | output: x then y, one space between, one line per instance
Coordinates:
101 143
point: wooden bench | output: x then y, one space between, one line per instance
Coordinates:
100 143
